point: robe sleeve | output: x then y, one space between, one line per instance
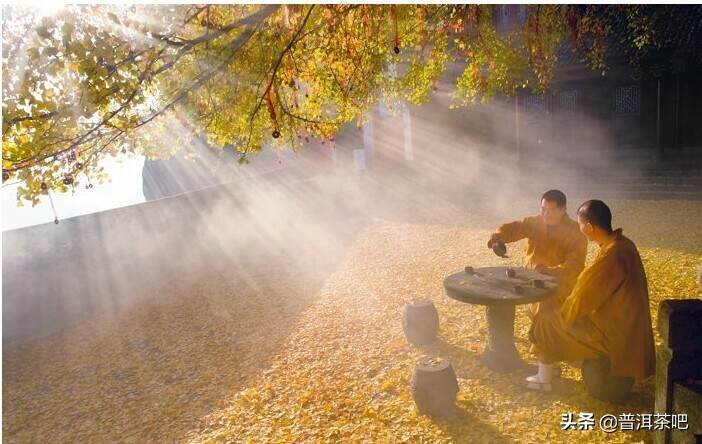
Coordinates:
574 261
514 231
594 286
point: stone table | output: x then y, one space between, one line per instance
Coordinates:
500 289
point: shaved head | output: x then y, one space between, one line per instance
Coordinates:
596 213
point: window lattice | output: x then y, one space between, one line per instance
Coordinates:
627 100
568 101
535 105
563 104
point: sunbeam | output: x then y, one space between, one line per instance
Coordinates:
285 179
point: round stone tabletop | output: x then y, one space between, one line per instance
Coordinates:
499 285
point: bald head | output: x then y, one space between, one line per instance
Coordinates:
596 213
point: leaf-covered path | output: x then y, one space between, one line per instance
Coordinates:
254 356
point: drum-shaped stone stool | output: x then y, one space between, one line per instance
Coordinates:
420 322
434 387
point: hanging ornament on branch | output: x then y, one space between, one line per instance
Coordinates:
271 112
573 24
475 17
396 37
286 16
53 208
90 184
421 18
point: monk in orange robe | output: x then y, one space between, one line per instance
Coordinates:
606 315
555 244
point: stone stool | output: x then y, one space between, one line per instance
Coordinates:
601 384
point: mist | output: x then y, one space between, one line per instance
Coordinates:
222 275
421 164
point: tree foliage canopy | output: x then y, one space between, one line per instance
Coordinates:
98 80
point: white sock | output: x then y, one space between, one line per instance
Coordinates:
544 375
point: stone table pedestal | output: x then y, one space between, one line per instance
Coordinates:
500 289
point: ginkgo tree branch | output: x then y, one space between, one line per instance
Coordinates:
235 46
279 60
121 78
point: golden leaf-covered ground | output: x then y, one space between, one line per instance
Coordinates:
287 357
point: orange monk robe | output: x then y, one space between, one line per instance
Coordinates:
561 248
606 314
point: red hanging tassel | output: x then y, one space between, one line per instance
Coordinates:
573 24
271 111
396 37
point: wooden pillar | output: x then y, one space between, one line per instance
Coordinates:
407 120
659 122
368 144
676 141
517 138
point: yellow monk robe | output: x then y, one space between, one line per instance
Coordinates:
561 248
607 314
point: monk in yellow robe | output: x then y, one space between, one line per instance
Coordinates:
555 244
606 315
